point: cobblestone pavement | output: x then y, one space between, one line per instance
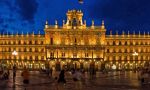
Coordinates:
111 81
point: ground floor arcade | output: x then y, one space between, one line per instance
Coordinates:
86 64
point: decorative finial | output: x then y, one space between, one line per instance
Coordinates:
46 24
39 32
17 33
33 32
22 33
27 34
63 22
110 32
92 24
12 33
123 33
56 24
84 22
116 32
7 33
139 33
103 25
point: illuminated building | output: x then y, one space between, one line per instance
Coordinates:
74 45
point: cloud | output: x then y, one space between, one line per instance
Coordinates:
27 9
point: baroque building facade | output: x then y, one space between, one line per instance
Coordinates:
75 45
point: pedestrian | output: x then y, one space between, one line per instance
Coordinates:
78 78
25 74
6 74
14 72
61 80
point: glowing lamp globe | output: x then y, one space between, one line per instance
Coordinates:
114 67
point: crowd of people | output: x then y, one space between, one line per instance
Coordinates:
77 75
4 73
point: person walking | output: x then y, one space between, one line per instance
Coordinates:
78 78
61 80
25 74
14 72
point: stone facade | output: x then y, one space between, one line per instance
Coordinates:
74 45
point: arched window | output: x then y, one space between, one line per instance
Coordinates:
30 49
19 42
119 42
25 49
36 42
30 42
52 55
36 49
114 43
30 57
36 57
125 43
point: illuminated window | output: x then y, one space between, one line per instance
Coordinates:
41 42
120 43
107 50
51 55
63 54
30 42
86 55
36 49
42 57
30 57
19 42
25 57
25 49
36 57
75 41
36 42
51 41
19 50
42 50
74 55
125 43
30 49
114 43
25 43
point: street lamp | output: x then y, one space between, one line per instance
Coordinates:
14 53
135 54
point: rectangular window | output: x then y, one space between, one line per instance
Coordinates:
51 41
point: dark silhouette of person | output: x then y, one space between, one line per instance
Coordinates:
61 78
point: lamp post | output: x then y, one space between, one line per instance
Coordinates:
14 53
135 54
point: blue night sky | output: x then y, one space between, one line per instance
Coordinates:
30 15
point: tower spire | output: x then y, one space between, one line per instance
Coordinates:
46 24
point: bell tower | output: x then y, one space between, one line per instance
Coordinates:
74 20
